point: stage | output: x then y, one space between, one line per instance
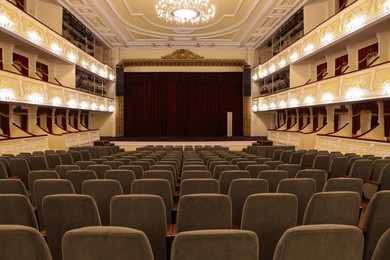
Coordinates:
235 143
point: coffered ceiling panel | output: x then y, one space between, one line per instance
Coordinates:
135 24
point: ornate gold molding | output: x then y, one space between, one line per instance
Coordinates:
182 54
183 58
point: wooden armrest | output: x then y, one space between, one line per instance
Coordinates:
169 231
373 183
43 233
174 207
173 230
14 177
235 226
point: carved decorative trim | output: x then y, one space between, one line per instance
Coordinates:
182 58
182 54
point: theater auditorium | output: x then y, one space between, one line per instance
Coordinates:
195 130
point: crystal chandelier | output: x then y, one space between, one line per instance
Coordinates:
185 11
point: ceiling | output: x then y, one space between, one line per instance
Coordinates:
134 23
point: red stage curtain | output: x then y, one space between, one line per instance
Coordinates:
1 58
321 71
4 119
342 4
62 114
316 112
386 105
339 62
182 104
365 53
21 63
358 108
290 114
303 112
43 71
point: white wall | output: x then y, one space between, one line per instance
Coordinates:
315 13
50 14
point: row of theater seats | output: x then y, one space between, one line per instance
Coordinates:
118 243
175 160
270 217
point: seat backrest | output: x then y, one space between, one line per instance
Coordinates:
63 169
255 169
291 169
243 164
39 174
170 168
269 215
66 158
65 212
204 211
38 163
137 170
318 175
344 184
76 156
22 242
13 186
221 168
321 162
53 160
361 169
195 174
16 209
85 155
102 191
159 187
276 155
376 221
382 247
105 242
296 157
307 160
143 212
77 177
273 164
44 187
320 242
273 177
285 156
336 207
113 164
213 164
215 244
239 191
20 167
195 186
262 160
161 174
145 165
125 178
384 178
303 188
4 168
99 169
84 164
338 167
228 176
377 168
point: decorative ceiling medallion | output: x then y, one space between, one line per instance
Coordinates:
182 54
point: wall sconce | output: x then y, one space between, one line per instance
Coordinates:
72 56
102 107
282 104
84 63
102 73
354 93
355 23
93 68
35 98
5 21
55 48
34 37
57 101
294 102
309 48
309 100
272 105
386 86
327 97
111 77
327 38
282 63
72 103
272 68
264 107
111 108
254 108
7 94
84 104
94 106
294 56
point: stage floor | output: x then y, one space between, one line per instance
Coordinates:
236 143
